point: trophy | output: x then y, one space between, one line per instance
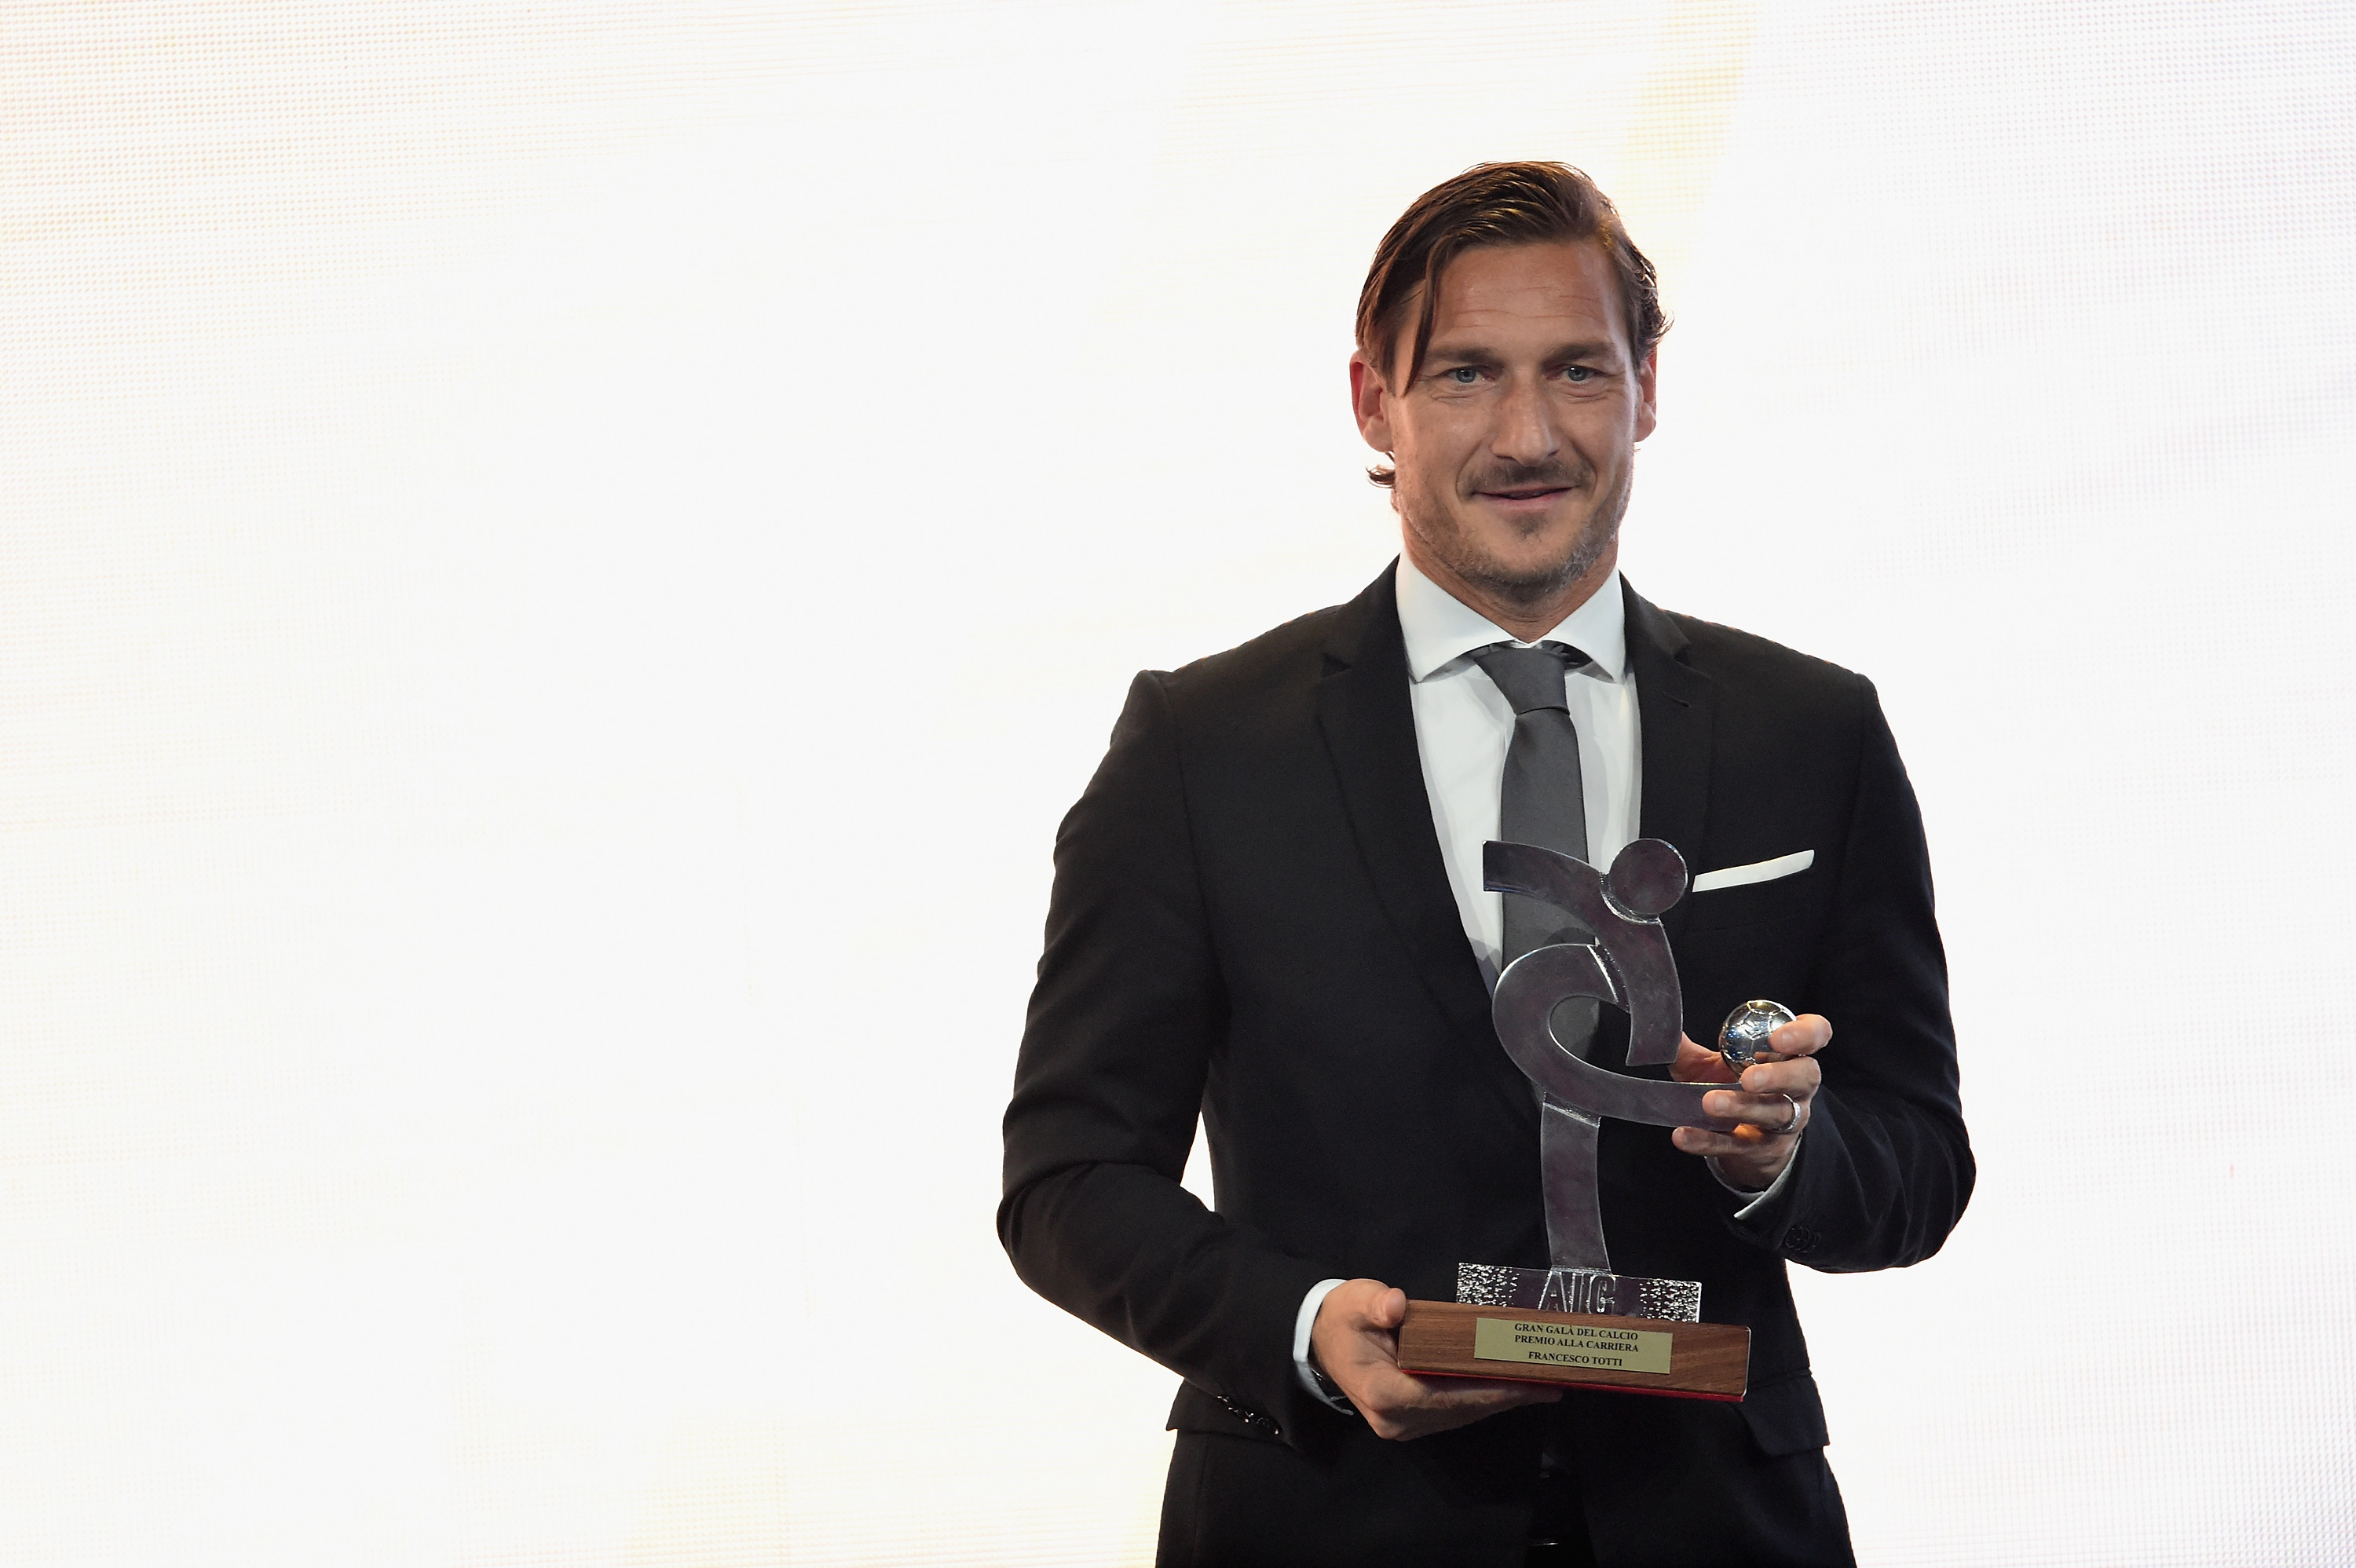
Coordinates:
1578 1322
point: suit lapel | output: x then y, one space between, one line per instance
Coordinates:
1368 721
1676 707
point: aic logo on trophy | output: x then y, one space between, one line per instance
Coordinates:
1577 1321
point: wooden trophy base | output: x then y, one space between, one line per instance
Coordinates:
1583 1349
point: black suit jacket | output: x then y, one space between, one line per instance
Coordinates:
1251 920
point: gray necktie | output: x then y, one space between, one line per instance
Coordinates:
1542 800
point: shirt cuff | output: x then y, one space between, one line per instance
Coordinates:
1758 1199
1305 1321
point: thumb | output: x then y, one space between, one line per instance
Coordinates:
1390 1310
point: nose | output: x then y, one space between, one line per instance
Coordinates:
1525 433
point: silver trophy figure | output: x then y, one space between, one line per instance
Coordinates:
1629 966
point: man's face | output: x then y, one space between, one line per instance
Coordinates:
1515 444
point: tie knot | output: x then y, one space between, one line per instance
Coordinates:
1531 678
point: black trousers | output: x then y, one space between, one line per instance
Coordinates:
1621 1492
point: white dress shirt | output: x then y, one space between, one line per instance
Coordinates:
1463 727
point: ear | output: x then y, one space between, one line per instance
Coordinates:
1648 396
1370 401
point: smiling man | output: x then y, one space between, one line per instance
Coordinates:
1522 398
1268 912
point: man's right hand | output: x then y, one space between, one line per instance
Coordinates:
1354 1341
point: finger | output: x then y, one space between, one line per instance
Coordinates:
1746 1138
1506 1396
1753 1117
1362 1304
1446 1407
1399 1406
1776 1111
1761 1114
1797 1078
1387 1391
1746 1143
1488 1393
1803 1036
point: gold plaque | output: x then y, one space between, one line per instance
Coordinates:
1571 1345
1578 1350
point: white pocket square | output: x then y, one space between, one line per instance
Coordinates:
1757 871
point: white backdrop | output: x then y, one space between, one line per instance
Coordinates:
562 563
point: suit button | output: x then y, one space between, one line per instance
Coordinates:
1249 1416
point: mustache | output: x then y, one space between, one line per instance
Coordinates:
1534 476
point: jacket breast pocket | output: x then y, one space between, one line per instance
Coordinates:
1724 909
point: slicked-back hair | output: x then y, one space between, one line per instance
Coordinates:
1492 204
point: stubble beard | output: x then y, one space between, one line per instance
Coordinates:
1461 550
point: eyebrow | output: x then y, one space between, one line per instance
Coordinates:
1480 353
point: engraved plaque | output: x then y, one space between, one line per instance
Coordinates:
1526 1342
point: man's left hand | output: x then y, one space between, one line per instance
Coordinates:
1756 1152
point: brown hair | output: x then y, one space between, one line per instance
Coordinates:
1494 204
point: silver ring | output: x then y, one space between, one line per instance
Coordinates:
1793 1125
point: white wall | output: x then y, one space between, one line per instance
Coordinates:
561 563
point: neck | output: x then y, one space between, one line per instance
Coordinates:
1528 617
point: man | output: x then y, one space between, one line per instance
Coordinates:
1268 909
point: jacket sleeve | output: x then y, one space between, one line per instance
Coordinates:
1885 1168
1116 1049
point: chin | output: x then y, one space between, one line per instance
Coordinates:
1535 581
1556 563
1535 574
1522 562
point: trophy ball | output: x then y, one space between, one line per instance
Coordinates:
1646 878
1746 1031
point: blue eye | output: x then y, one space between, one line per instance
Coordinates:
1577 373
1464 375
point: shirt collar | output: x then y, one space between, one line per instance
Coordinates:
1441 628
